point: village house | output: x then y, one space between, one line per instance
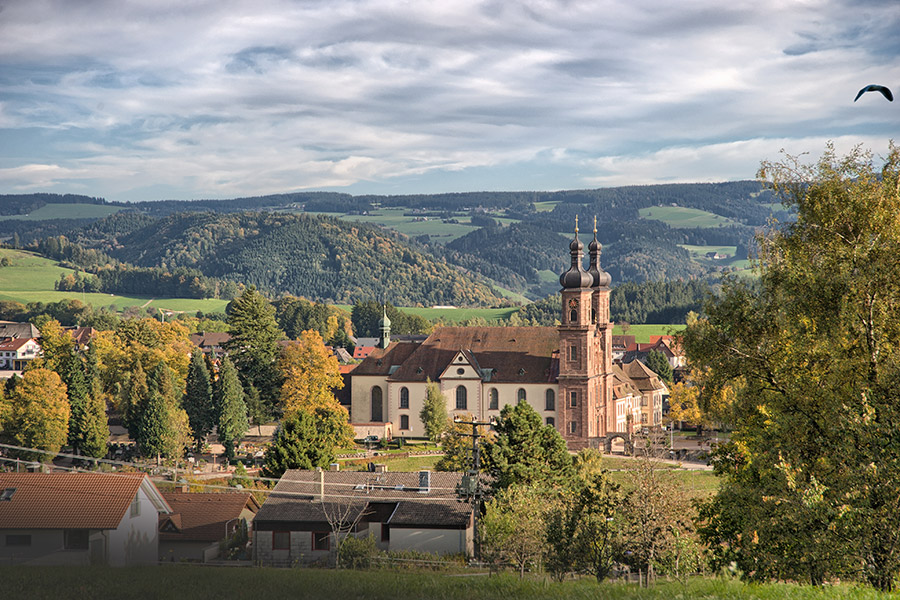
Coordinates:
199 521
302 519
79 519
565 373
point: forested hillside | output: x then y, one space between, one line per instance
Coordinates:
316 257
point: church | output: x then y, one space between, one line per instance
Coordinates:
566 373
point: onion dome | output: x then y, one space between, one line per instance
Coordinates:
385 322
576 277
600 277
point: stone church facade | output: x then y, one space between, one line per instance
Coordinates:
565 373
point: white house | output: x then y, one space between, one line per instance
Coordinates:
79 519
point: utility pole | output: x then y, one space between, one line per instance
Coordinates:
470 487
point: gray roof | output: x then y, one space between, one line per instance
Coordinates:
392 498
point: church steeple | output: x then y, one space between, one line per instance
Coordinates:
600 277
385 328
576 277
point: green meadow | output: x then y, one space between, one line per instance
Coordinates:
214 583
66 211
434 227
30 278
683 217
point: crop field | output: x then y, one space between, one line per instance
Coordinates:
683 217
30 278
66 211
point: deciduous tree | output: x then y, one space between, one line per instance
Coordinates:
310 374
37 414
434 412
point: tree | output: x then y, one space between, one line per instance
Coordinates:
37 414
512 528
310 374
525 451
457 445
306 440
198 398
810 476
657 362
56 345
153 426
252 347
231 408
684 405
434 412
88 428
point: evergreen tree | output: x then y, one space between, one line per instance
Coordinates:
656 362
434 412
133 395
232 410
252 347
198 398
257 411
88 428
525 451
153 426
305 441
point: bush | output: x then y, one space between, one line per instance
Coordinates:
357 552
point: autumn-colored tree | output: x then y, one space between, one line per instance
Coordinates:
37 414
56 345
310 374
684 405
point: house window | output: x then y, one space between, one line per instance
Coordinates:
376 405
281 540
461 397
550 402
18 540
573 399
520 395
404 397
551 421
321 540
75 539
573 352
136 507
385 532
573 426
404 421
494 399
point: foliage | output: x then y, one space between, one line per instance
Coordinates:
36 413
357 552
811 473
434 412
684 405
307 440
310 373
88 428
457 445
512 528
657 362
198 398
252 347
230 407
525 451
56 345
153 426
366 317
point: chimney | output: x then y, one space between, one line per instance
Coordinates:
381 468
334 466
321 483
424 482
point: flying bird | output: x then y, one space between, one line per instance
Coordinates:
876 88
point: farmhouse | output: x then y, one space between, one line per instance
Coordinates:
303 518
565 373
199 521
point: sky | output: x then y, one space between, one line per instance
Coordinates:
188 99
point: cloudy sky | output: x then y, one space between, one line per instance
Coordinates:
144 100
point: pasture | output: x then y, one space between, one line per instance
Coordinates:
683 217
66 211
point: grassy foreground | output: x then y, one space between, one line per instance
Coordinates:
216 583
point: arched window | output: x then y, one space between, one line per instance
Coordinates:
404 397
494 399
550 403
461 397
551 421
377 414
520 395
573 316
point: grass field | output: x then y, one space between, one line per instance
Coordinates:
700 251
642 333
30 278
545 206
66 211
683 217
196 582
394 218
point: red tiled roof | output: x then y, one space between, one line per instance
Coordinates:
13 343
204 516
67 500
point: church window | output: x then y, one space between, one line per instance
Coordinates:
404 397
573 352
520 395
551 421
573 426
494 399
377 414
404 421
573 399
550 403
461 397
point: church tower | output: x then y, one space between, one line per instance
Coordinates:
603 415
579 359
